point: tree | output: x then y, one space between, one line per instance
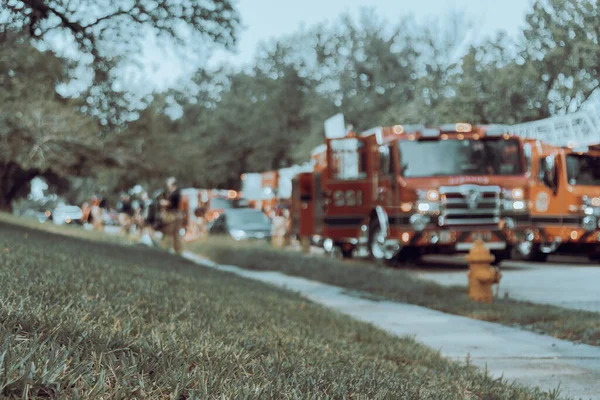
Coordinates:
106 31
41 134
492 85
561 41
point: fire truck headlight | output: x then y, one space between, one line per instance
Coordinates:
419 222
514 194
517 194
328 245
433 195
593 202
424 207
590 223
512 205
519 205
406 207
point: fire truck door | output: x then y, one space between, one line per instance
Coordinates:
350 187
547 201
386 190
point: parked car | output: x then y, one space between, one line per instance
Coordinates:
242 224
67 215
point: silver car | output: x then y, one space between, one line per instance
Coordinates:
67 215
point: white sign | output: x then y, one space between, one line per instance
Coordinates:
335 127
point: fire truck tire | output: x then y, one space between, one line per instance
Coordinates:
531 253
594 257
501 255
335 253
347 253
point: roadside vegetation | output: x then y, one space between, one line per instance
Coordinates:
91 319
562 323
76 231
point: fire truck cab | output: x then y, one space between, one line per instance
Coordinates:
400 192
564 203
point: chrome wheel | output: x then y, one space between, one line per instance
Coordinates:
525 248
377 243
335 253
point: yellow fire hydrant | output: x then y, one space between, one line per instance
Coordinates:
481 273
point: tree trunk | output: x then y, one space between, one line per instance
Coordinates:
5 173
13 181
5 204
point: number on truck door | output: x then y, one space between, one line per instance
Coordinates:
347 198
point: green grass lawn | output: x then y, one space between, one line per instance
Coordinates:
92 320
573 325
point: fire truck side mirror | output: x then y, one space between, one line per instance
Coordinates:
550 172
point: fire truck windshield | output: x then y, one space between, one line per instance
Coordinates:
583 170
422 159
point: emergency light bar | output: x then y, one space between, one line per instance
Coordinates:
460 128
430 133
414 128
378 132
582 149
497 130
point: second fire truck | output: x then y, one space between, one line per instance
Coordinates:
563 195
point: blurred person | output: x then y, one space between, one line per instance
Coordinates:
144 206
287 216
171 215
278 229
152 222
145 219
96 212
125 213
86 210
201 222
103 203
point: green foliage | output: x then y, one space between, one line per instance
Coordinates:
561 41
106 33
381 73
90 320
270 115
41 133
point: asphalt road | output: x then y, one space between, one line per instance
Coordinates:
570 282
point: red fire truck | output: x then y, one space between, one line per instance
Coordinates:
268 190
399 192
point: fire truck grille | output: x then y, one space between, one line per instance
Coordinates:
470 205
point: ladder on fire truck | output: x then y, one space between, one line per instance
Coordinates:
578 129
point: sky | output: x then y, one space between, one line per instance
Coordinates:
264 20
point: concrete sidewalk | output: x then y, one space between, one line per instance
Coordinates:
529 358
